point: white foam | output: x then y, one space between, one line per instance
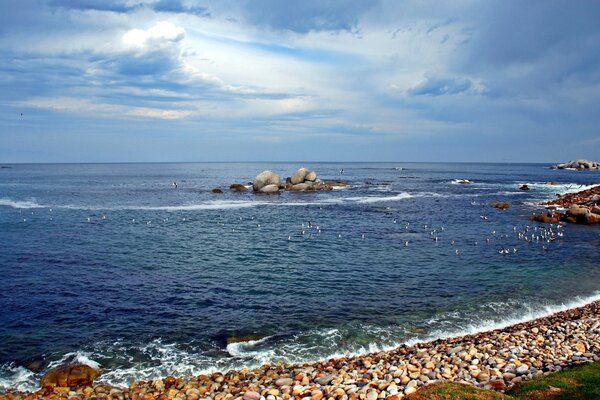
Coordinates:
245 349
19 203
377 199
461 182
77 357
490 325
17 378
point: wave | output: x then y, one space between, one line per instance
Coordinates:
221 204
20 203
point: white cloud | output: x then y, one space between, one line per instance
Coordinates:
163 31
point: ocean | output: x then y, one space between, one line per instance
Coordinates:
112 264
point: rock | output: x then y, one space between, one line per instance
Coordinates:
299 176
237 187
592 218
371 395
548 218
269 189
250 395
316 394
577 211
336 183
580 165
524 187
311 176
265 178
410 389
284 382
325 380
71 375
522 369
392 389
217 190
501 205
580 347
301 186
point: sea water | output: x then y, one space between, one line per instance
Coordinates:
113 264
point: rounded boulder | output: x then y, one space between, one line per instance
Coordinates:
265 178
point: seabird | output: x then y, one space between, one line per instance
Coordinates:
406 244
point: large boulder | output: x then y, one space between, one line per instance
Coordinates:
70 375
311 176
300 176
265 178
269 189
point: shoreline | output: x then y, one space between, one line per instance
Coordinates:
494 359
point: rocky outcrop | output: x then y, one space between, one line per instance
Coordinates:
580 165
70 375
265 182
524 187
582 208
302 180
501 205
589 197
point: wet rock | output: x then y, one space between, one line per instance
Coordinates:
237 187
524 187
501 205
216 190
71 375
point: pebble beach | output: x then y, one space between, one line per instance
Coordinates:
495 360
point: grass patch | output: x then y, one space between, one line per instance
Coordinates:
581 382
454 391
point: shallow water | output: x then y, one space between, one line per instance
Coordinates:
110 262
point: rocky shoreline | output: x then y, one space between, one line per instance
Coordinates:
581 207
495 360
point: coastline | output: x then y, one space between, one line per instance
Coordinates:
495 359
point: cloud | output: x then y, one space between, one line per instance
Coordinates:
436 86
128 6
305 16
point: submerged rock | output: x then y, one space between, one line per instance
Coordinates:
217 190
524 187
501 205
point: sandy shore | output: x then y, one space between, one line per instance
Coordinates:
495 359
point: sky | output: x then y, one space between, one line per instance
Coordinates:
305 80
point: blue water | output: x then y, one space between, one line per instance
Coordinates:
113 264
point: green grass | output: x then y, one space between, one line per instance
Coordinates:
580 382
